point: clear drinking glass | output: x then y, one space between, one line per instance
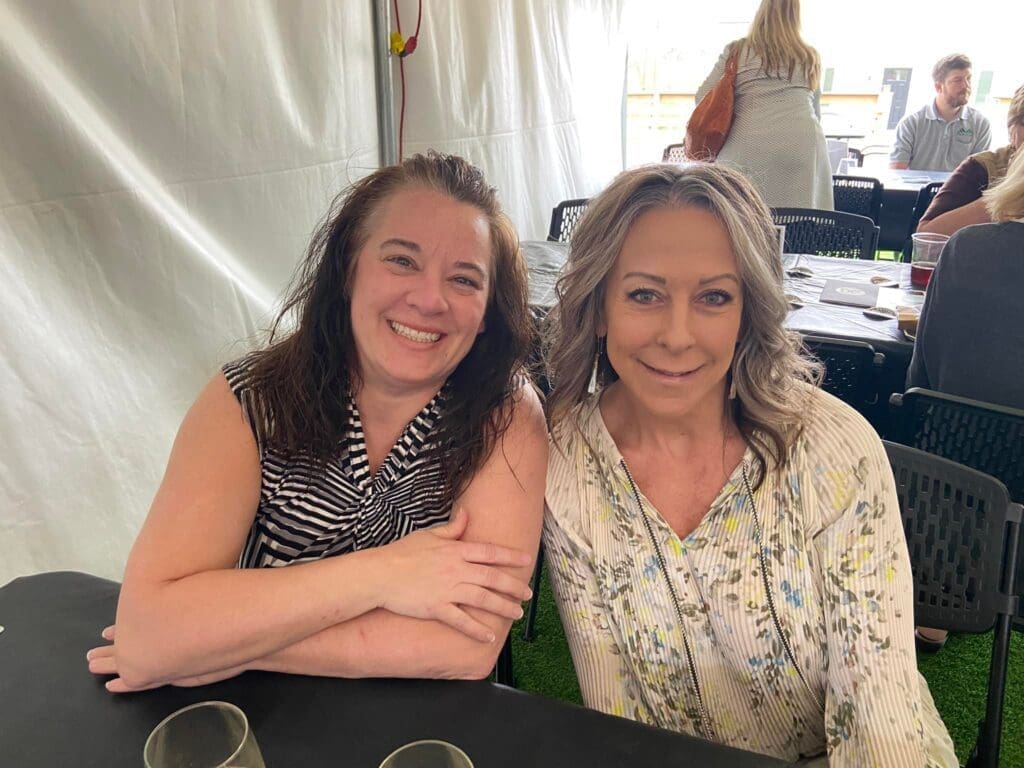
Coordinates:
427 754
927 246
210 734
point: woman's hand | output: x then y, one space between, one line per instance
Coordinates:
103 661
431 574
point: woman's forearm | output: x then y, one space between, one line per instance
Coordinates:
381 643
219 619
958 218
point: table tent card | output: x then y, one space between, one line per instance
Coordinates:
850 294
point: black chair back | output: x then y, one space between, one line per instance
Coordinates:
983 436
673 154
852 370
564 217
925 195
827 233
858 194
962 532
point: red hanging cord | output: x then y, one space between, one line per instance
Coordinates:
408 46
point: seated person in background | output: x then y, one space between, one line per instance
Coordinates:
940 135
959 203
339 450
724 538
970 341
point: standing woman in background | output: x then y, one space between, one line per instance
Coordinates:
776 138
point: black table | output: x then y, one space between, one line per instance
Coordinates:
53 712
816 318
899 193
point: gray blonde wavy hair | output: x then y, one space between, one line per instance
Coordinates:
768 370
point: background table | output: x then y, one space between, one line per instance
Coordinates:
816 318
53 712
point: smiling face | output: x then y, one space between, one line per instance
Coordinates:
955 90
672 311
420 290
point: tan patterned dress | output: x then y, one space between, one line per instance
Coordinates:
776 140
824 660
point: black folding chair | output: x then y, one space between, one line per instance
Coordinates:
962 532
852 371
673 154
983 436
859 195
827 233
925 195
564 217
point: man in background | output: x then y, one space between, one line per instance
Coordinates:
940 135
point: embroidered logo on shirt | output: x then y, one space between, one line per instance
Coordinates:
964 134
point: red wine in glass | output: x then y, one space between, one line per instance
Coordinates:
921 273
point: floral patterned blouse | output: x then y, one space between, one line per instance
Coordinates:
822 660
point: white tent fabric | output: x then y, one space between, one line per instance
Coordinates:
161 167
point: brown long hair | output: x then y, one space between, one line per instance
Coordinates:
301 380
775 36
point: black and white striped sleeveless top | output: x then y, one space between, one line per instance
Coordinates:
308 512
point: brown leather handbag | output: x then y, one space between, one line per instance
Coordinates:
710 122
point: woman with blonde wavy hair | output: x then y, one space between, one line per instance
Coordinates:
724 538
776 137
972 318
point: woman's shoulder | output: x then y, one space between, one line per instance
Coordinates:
833 429
239 372
993 162
579 427
526 414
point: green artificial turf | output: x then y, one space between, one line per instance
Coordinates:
957 677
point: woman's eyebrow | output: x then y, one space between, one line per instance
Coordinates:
473 267
404 243
724 275
647 276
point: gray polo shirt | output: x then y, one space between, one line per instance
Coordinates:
928 143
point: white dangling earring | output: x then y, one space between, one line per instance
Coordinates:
732 385
592 387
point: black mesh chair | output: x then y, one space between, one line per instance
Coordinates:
962 532
827 233
986 437
925 195
673 154
983 436
564 217
858 194
852 370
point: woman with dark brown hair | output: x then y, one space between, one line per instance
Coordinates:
387 451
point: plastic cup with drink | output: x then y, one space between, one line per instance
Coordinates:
927 247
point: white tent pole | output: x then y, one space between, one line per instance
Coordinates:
386 134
